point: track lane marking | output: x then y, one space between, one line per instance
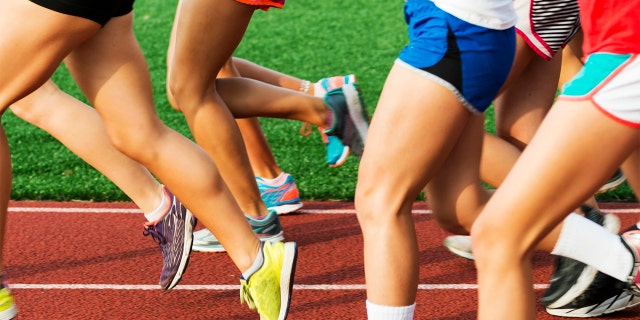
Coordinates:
217 287
301 211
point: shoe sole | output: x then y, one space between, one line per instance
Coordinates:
357 113
342 159
186 249
612 185
612 224
10 313
286 208
459 252
287 275
217 247
613 304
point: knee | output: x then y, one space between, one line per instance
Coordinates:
493 243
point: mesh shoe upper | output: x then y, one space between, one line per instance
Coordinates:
8 308
174 235
268 229
269 289
350 117
282 196
337 152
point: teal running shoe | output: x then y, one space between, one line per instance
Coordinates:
268 229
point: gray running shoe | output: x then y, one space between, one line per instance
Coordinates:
267 229
174 235
350 117
460 246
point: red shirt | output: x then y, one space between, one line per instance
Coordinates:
611 26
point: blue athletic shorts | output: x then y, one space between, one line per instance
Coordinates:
472 61
100 11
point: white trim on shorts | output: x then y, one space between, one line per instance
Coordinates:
618 96
547 25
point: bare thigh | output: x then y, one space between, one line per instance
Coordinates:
44 36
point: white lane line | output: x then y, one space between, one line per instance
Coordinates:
215 287
302 211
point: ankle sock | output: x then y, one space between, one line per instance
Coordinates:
586 241
257 264
379 312
161 210
277 181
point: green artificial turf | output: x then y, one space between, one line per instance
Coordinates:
308 39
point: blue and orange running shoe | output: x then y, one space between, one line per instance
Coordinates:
174 235
280 194
8 308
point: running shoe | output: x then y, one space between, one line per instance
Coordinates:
280 194
603 295
269 289
337 152
459 245
631 239
350 117
615 181
267 229
579 290
174 234
8 308
325 85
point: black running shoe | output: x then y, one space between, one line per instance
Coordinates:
631 239
604 295
572 278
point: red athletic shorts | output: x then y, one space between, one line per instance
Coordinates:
264 4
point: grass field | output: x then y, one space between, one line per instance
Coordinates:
308 39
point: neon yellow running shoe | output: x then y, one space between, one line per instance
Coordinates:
8 308
269 289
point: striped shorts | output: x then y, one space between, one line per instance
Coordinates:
547 25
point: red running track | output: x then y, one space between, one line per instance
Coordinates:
90 261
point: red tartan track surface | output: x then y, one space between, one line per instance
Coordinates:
81 260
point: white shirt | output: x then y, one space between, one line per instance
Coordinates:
492 14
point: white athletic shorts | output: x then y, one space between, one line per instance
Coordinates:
612 83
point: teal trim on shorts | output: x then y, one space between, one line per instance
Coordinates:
597 68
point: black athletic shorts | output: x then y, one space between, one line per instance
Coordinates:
100 11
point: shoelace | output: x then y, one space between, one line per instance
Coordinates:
245 295
307 129
155 234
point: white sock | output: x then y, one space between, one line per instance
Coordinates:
257 264
378 312
160 211
318 90
586 241
279 180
